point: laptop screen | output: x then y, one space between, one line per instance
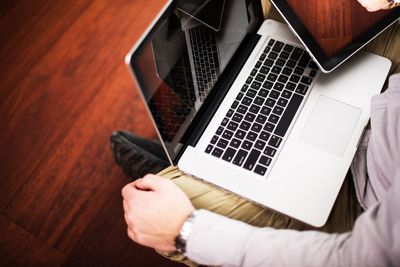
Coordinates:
181 58
334 30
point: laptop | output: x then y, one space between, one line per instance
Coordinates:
273 128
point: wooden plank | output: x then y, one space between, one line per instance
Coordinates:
105 242
49 99
28 29
19 248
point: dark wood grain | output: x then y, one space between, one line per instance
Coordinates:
64 89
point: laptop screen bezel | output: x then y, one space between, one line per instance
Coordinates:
328 64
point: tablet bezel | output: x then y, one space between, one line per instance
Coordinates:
328 64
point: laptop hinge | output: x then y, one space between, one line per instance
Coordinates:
217 94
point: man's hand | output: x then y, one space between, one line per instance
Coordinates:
155 209
374 5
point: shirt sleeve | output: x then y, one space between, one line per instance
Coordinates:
374 241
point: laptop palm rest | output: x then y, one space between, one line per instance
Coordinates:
330 125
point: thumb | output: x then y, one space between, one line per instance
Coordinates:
149 182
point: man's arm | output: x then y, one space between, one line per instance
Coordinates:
374 241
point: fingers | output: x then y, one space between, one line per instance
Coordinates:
149 182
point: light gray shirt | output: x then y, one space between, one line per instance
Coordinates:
375 238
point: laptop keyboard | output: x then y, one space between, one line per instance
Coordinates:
205 57
254 128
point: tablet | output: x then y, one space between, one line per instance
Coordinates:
332 31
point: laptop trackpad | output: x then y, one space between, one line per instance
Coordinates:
330 125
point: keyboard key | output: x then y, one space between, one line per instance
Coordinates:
290 86
277 110
244 88
255 85
259 101
296 54
283 78
306 80
245 125
275 141
239 96
256 127
251 93
239 158
264 136
280 62
227 134
217 152
287 71
263 56
229 113
298 71
254 108
249 80
229 154
268 63
260 77
214 139
258 64
263 93
237 117
272 77
235 143
288 115
288 48
295 78
232 126
268 85
270 102
222 143
264 70
261 119
282 102
269 127
209 149
247 145
284 55
246 101
265 110
278 46
286 94
259 144
269 151
291 64
279 86
235 104
276 70
264 160
313 65
224 121
240 134
260 170
219 130
274 94
272 55
242 109
251 159
252 136
301 89
250 117
273 118
271 42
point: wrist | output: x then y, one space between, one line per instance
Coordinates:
184 233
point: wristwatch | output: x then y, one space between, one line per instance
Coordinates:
182 238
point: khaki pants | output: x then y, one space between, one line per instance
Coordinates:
346 208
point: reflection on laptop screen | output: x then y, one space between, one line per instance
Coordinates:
335 24
181 59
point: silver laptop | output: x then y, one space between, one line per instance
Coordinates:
273 129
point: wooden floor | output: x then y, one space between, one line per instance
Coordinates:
64 88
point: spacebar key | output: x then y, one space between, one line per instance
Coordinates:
288 115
